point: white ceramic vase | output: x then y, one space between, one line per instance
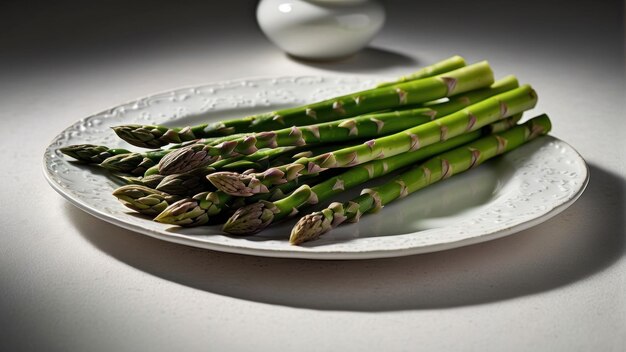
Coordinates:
320 29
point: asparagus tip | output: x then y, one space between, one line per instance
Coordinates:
236 184
126 163
185 212
251 218
141 136
310 227
142 199
87 153
186 159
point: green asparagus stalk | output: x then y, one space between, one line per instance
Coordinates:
364 126
311 151
469 119
423 90
256 216
443 66
449 163
90 153
247 165
243 164
260 155
144 200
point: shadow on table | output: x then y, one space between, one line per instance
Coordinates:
368 59
565 249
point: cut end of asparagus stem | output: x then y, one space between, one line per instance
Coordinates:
311 227
143 200
251 219
448 64
185 212
186 159
237 184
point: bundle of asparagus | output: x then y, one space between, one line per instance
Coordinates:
251 172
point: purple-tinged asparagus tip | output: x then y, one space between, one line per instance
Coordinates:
310 227
145 136
236 184
133 163
186 159
87 153
185 212
142 199
251 219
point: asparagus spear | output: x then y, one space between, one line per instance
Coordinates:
423 90
255 217
446 65
90 153
97 154
450 163
144 200
469 119
364 126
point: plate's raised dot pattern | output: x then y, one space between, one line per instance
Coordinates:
545 175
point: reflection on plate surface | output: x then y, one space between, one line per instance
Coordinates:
503 196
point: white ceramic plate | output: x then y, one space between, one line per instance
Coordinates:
506 195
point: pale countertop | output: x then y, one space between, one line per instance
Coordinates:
70 282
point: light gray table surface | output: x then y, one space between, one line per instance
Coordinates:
70 282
